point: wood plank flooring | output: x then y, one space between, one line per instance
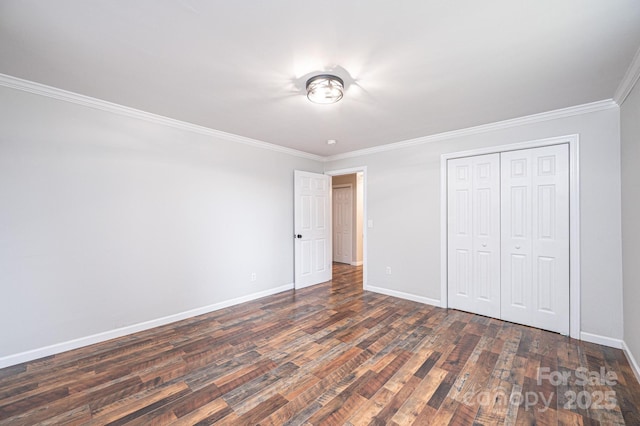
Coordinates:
328 354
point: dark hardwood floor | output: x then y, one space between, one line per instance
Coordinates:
328 354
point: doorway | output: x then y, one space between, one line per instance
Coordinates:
348 220
343 221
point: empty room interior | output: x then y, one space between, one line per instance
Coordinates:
347 212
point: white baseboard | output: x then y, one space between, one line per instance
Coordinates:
632 361
57 348
601 340
401 295
357 263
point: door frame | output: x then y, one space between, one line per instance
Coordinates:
363 170
333 223
574 216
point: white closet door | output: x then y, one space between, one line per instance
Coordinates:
474 234
535 237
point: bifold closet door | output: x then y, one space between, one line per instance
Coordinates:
474 234
535 237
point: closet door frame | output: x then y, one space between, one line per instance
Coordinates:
574 213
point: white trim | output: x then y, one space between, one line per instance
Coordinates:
632 361
575 247
601 340
363 170
574 212
444 238
402 295
57 348
87 101
357 263
499 125
633 73
629 80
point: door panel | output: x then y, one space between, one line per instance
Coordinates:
460 239
551 238
484 275
517 290
305 257
462 212
516 236
535 237
519 212
474 234
546 283
462 273
312 222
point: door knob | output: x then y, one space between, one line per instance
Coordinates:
298 236
484 244
517 247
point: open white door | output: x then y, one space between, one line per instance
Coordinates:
312 228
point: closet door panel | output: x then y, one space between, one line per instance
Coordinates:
535 237
474 234
486 234
459 175
551 238
516 246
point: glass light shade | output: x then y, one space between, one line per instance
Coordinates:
325 89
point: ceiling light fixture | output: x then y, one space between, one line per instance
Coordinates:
325 89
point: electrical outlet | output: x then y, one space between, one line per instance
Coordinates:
388 270
253 276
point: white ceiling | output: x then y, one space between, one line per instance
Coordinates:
412 68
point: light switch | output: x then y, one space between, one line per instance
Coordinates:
370 223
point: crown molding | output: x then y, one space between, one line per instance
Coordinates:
76 98
52 92
499 125
629 80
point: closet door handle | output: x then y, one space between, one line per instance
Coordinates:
517 247
484 244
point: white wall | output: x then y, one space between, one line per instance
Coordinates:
630 153
108 221
403 200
